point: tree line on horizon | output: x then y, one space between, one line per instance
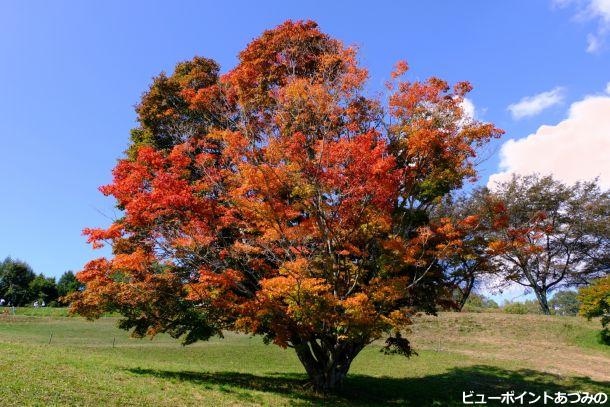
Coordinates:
21 286
564 302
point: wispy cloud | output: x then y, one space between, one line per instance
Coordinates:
532 105
594 44
598 10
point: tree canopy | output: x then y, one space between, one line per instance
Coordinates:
546 235
595 300
279 199
43 289
15 279
472 260
565 303
68 284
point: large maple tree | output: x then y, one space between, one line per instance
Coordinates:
280 200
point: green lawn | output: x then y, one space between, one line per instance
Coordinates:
78 365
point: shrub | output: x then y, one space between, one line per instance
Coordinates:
595 300
479 303
516 308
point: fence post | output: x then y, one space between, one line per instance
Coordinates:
438 334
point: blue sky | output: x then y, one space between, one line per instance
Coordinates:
71 73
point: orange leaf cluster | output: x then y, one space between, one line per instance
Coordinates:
276 200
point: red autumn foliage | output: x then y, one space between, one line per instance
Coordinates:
277 200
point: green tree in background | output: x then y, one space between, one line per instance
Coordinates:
43 289
595 300
68 284
15 279
565 303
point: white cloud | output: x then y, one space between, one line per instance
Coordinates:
608 88
594 43
468 108
601 9
577 148
598 10
532 105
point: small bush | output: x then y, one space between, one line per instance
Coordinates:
595 302
480 303
516 308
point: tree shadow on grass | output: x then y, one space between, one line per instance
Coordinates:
434 390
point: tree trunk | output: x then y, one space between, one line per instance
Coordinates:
542 300
539 290
326 365
466 292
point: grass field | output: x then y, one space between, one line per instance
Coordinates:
486 353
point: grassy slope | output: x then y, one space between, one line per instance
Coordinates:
488 353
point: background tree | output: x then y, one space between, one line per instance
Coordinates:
68 284
279 200
472 260
564 303
548 235
43 288
595 300
15 279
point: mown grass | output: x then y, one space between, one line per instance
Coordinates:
80 366
36 312
42 312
